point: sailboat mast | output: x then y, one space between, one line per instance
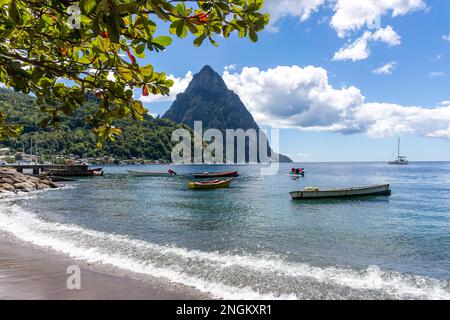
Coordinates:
398 148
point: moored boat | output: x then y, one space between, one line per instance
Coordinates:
296 172
151 174
213 184
316 193
216 174
401 160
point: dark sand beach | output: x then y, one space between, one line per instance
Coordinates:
28 273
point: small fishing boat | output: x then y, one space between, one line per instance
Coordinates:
296 173
137 173
216 174
213 184
316 193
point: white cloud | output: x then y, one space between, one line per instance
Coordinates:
351 15
301 9
446 37
231 67
386 69
391 119
436 74
179 86
359 49
303 98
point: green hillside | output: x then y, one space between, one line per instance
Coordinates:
149 139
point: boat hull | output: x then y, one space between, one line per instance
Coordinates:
215 175
399 163
294 175
148 174
342 193
215 184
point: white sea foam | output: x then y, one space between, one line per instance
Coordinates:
190 267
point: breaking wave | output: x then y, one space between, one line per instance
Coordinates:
221 274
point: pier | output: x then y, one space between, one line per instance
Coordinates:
54 169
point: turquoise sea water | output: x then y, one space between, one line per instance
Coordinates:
252 240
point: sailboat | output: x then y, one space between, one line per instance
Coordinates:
400 159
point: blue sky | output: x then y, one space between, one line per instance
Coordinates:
337 107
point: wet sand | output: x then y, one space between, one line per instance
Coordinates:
28 273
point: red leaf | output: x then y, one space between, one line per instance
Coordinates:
145 90
105 34
132 58
202 17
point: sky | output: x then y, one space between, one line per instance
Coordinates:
341 79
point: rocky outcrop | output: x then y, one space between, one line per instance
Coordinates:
12 181
208 99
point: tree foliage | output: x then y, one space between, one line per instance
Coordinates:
63 50
147 139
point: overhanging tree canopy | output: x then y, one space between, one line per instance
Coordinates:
63 51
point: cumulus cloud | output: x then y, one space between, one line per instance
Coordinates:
386 69
301 9
179 86
352 15
446 37
303 98
391 119
348 16
359 49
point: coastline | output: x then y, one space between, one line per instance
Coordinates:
30 273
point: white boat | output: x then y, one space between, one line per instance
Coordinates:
150 174
316 193
401 160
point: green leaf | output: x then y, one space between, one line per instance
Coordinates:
199 40
147 71
14 13
114 35
253 36
87 6
163 40
182 30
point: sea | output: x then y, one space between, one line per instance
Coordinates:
252 241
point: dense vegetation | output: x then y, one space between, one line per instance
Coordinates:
149 139
98 45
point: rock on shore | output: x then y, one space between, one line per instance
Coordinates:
13 181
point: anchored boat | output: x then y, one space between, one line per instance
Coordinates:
401 160
316 193
213 184
137 173
216 174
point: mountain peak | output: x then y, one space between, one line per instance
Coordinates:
207 79
208 99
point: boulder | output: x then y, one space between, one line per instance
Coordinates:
7 180
7 187
11 180
24 186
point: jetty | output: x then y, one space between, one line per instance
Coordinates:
60 170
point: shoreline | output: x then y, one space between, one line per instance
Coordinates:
32 273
